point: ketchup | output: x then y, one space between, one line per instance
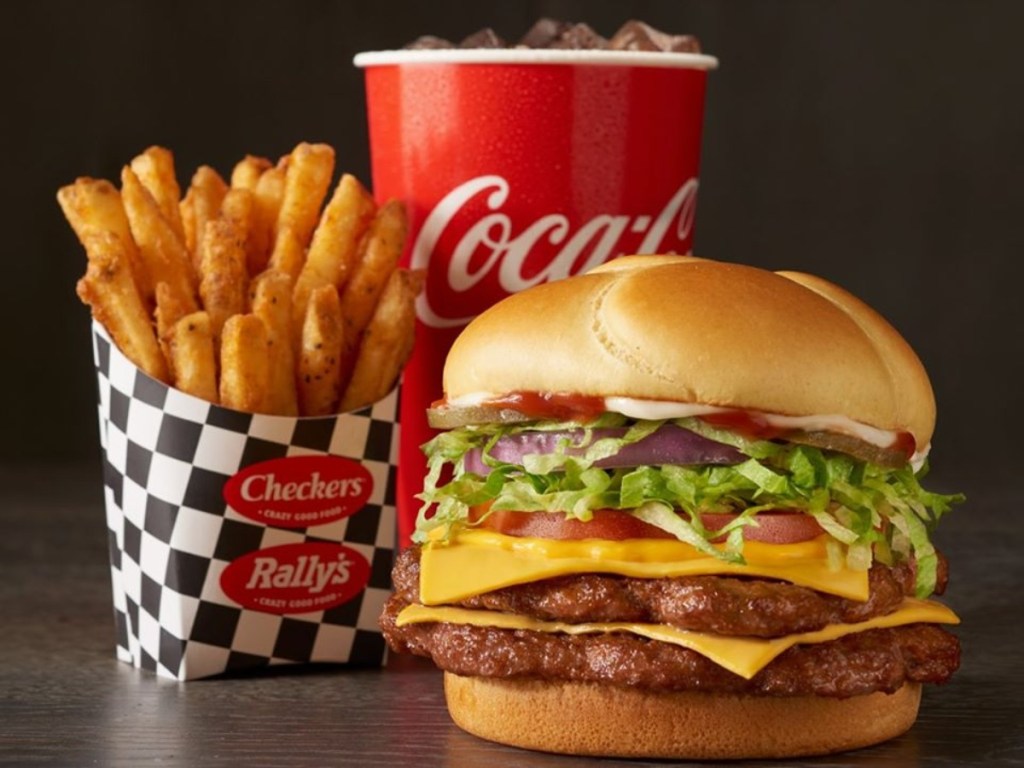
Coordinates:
905 444
556 406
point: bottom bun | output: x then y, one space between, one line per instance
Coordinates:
607 721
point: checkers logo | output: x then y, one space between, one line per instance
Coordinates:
299 491
296 578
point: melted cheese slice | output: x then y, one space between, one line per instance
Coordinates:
745 656
479 561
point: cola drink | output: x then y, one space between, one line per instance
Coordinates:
520 167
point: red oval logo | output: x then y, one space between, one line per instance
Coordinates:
299 491
296 578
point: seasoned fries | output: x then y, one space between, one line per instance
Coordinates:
319 380
381 250
109 289
162 256
224 283
335 244
236 207
169 310
250 296
387 341
244 366
187 211
94 207
246 173
306 181
272 303
204 196
289 255
155 169
266 205
190 353
305 185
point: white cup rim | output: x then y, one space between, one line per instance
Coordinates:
590 57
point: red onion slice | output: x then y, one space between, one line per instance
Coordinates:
670 444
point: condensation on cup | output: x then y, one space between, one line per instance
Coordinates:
519 167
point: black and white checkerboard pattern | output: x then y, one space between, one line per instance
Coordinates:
166 458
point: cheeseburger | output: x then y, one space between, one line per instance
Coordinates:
677 512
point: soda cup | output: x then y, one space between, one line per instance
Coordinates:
519 167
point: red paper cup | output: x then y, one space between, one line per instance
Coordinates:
519 167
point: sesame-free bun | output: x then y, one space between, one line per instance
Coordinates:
612 721
683 329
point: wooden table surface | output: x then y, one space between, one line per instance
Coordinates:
65 700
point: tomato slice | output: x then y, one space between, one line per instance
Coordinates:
610 524
615 525
772 527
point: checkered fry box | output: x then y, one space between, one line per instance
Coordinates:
242 540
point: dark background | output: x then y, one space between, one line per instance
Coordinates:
880 144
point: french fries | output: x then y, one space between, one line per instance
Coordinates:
187 211
155 169
246 173
162 256
305 185
236 207
244 366
381 248
224 283
289 255
266 204
169 310
335 244
319 380
190 346
109 289
272 303
94 207
250 296
387 341
205 195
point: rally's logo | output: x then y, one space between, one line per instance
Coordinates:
299 491
296 578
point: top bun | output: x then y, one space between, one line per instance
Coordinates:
690 330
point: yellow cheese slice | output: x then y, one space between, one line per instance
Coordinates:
745 656
474 562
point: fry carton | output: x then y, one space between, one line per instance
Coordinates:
242 540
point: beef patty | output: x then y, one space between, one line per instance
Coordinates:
722 604
856 664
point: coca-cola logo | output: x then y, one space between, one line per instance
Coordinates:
299 491
495 246
296 578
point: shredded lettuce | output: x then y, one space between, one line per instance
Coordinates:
868 510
